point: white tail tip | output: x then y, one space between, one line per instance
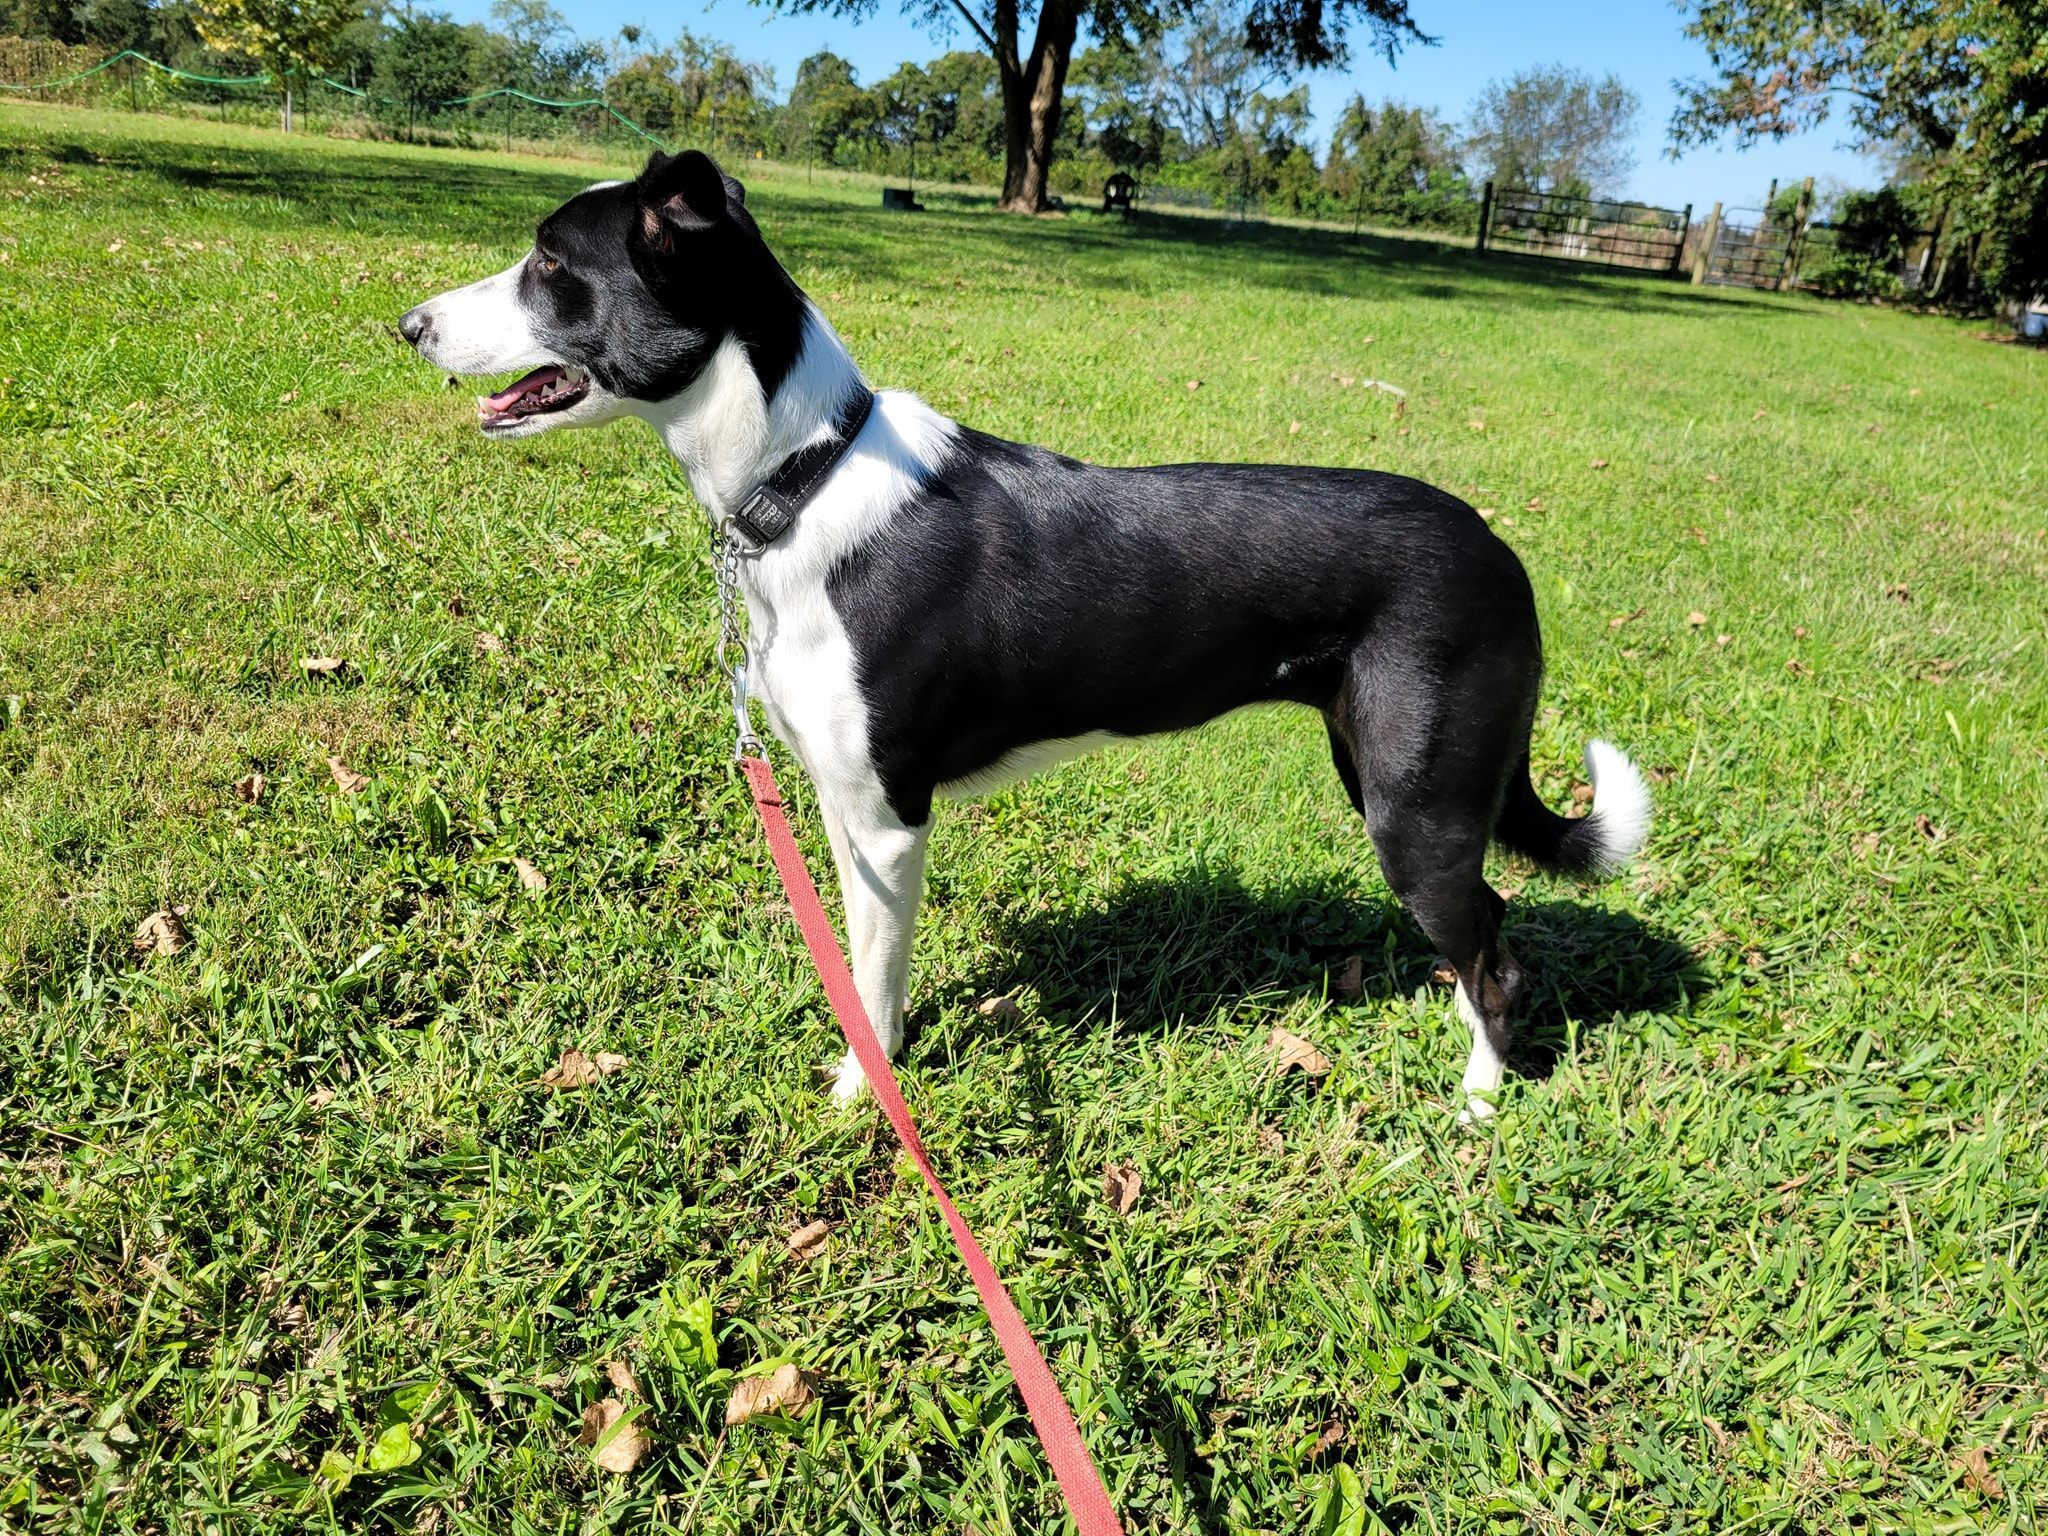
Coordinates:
1621 804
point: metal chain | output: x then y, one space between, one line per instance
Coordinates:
732 641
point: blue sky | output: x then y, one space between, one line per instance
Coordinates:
1640 40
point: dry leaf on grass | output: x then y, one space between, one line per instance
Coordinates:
249 788
1898 592
1349 981
162 932
1626 618
1582 794
1291 1053
1598 464
456 606
346 779
1696 619
320 1097
1975 1465
788 1392
1327 1439
1004 1010
1293 427
621 1376
807 1242
1120 1185
321 666
1721 640
489 644
1194 384
529 874
1271 1142
1924 825
627 1446
578 1069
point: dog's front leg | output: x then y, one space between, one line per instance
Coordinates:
881 875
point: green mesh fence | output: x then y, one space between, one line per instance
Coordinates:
504 117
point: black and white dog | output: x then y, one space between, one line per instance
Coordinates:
947 610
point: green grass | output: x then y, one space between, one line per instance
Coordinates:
1763 1252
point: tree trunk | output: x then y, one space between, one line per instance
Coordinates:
1033 94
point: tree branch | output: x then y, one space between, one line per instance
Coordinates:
979 30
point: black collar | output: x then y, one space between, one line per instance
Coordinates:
766 515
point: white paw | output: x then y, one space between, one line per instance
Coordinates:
1476 1110
849 1083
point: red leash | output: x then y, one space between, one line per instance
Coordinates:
1080 1484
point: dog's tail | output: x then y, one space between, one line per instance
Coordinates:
1599 843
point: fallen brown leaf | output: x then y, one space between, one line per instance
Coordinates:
1713 478
1597 464
1533 504
249 788
1293 427
1348 983
788 1391
1582 794
1721 640
346 779
1924 825
1698 536
1120 1185
579 1069
1004 1009
320 1097
1626 618
1866 845
162 932
806 1243
1975 1465
1489 513
628 1446
1193 385
456 606
1696 619
1271 1142
1798 631
1291 1053
621 1376
490 644
1796 667
1898 592
1330 1437
529 873
321 666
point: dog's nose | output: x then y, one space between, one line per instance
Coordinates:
414 325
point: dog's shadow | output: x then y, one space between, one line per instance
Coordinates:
1158 952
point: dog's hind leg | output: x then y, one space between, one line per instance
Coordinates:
881 875
1429 782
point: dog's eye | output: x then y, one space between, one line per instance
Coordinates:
548 265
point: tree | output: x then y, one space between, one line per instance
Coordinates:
1960 85
825 105
1395 163
422 60
1301 32
1553 128
287 37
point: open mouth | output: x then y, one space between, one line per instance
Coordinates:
547 389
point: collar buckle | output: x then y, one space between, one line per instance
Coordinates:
763 517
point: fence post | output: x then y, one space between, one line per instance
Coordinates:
1485 217
508 125
1703 253
1927 256
1788 267
132 107
1684 229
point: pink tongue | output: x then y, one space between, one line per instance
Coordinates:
502 401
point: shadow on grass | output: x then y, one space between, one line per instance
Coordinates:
1159 952
352 186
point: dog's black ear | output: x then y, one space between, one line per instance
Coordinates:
683 193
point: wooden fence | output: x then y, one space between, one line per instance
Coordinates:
1614 234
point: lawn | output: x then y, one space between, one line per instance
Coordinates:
293 1237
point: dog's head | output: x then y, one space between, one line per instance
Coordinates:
629 290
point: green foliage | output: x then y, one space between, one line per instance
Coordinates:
286 37
1762 1253
1960 85
423 59
1862 252
1396 165
1552 129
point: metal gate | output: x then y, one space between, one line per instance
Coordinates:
1750 250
